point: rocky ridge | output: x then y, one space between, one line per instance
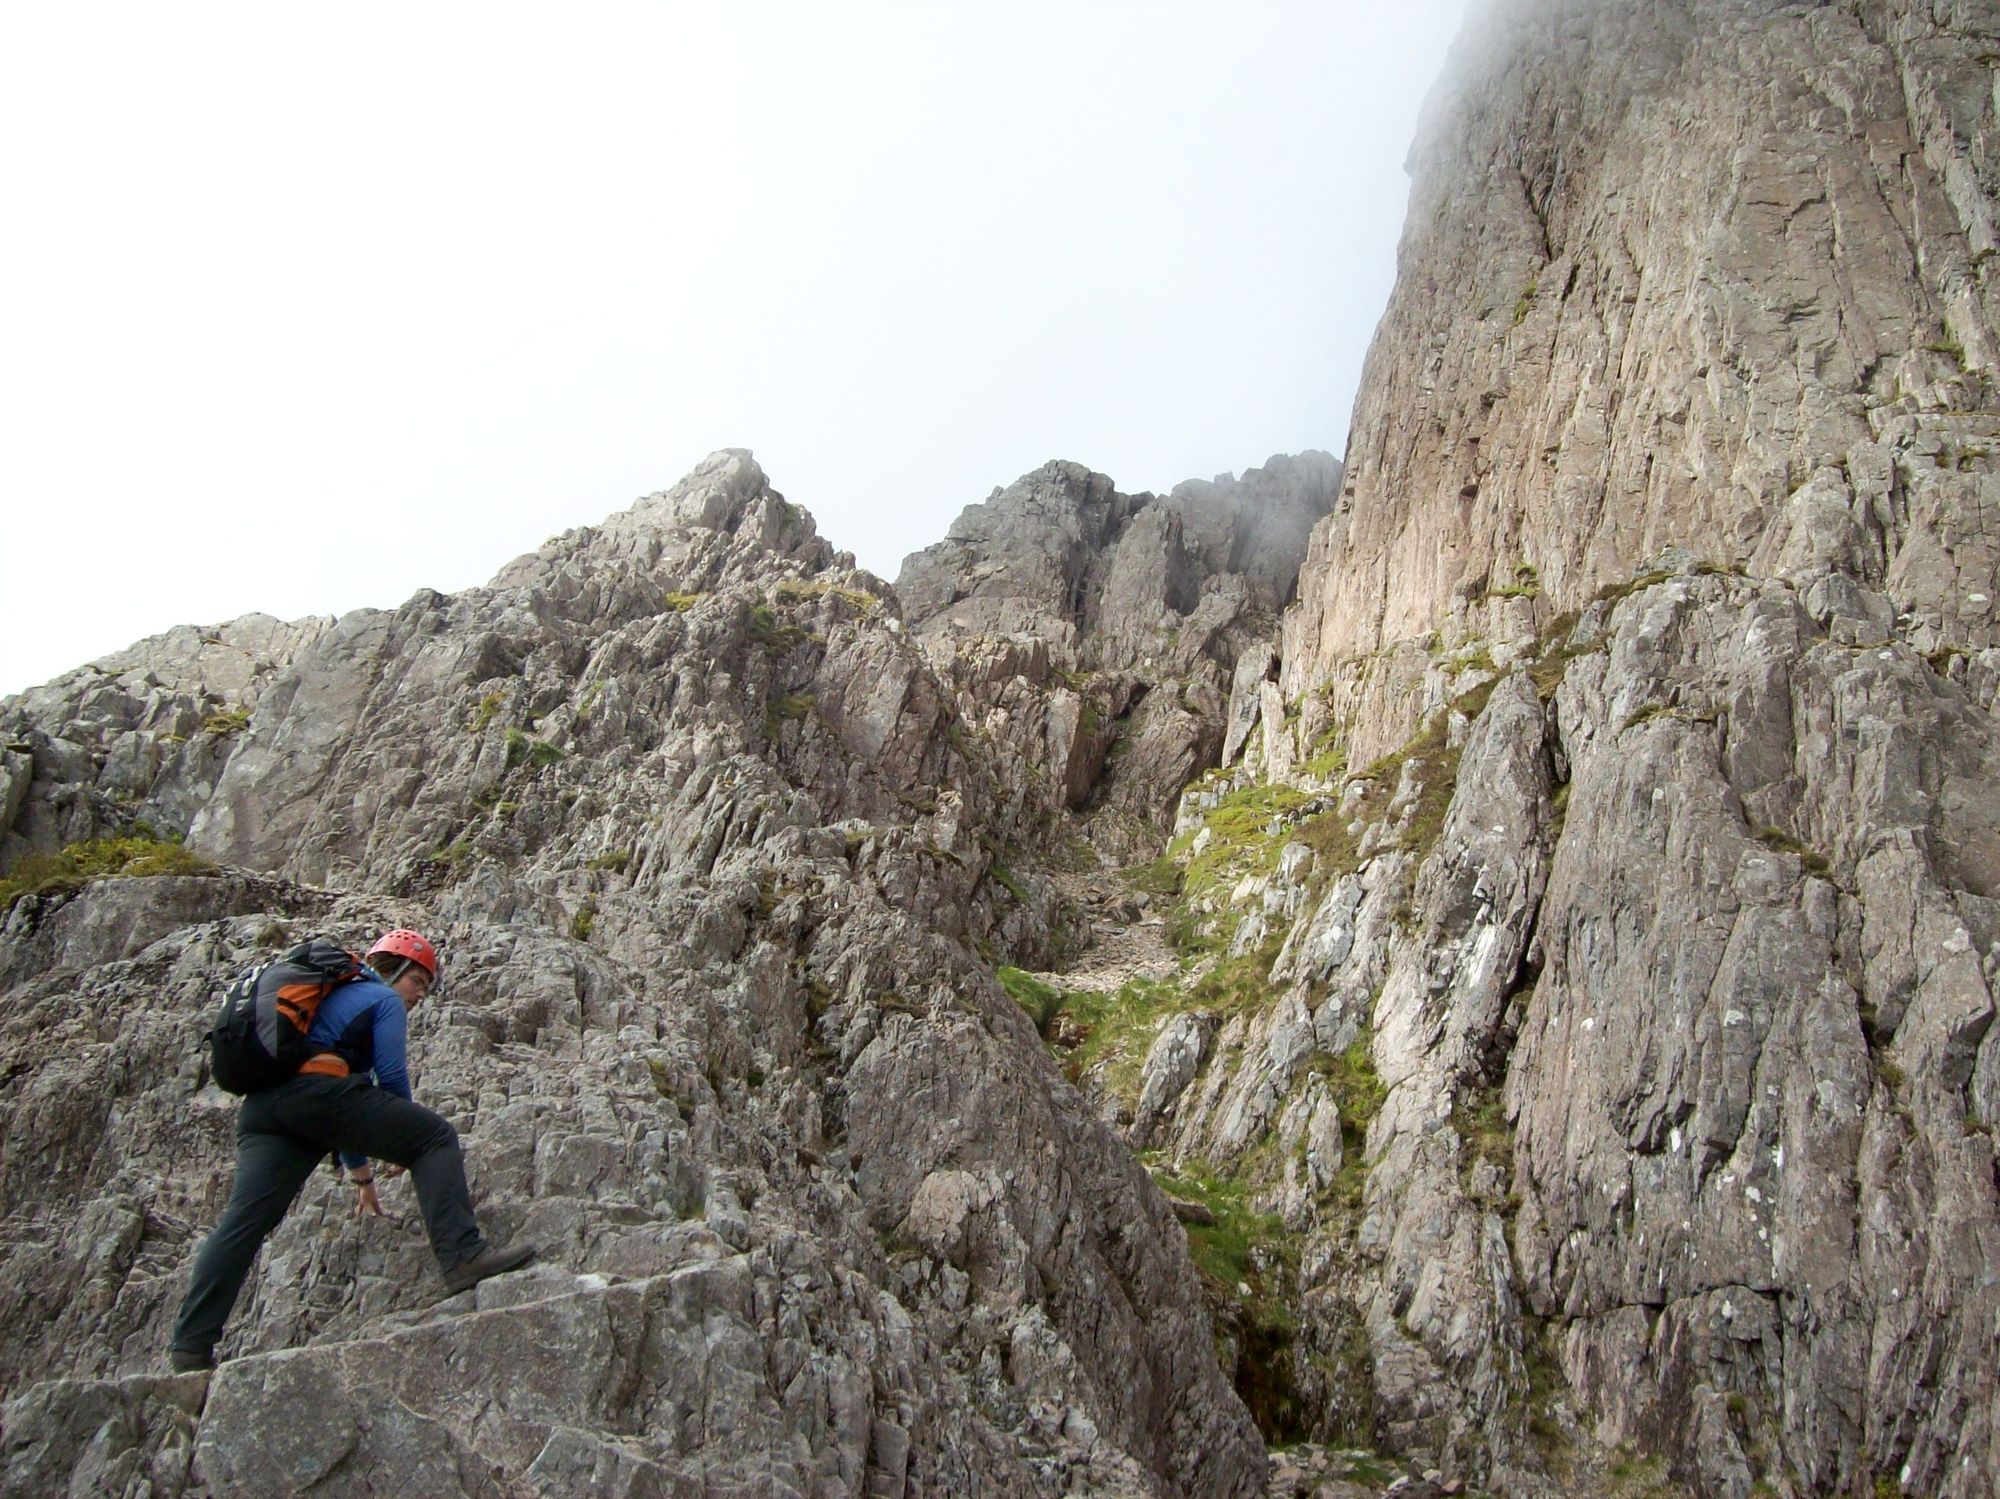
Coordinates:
138 735
1119 643
715 861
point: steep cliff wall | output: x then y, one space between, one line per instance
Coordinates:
1619 842
1717 276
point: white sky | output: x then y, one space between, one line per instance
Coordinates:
303 308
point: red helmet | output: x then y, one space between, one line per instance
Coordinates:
404 943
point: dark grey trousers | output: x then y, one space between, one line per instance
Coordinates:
282 1133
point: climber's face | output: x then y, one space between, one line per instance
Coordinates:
413 984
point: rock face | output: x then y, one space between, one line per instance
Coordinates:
1709 275
1115 579
1116 639
711 856
1622 863
141 735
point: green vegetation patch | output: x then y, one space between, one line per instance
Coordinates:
858 599
1337 850
1251 826
1043 1002
1558 648
1645 715
1160 877
1537 1405
790 708
1634 1475
1612 592
1247 831
1244 1257
97 858
680 603
1438 779
1248 1268
776 636
1328 762
1357 1089
1235 986
1359 1093
1107 1033
525 749
1480 1120
225 722
1525 584
1810 859
1223 1250
1110 1033
489 709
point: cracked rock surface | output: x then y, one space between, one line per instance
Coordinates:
708 851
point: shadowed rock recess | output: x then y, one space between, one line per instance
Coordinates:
1481 961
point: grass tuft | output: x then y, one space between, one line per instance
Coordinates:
790 708
1645 715
1247 831
775 635
489 709
227 721
525 749
1810 859
1248 1267
97 858
858 599
1043 1002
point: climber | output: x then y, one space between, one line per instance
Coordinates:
331 1104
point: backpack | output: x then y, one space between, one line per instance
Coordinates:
259 1039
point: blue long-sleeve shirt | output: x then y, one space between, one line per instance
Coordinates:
367 1024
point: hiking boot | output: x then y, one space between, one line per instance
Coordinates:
484 1265
187 1361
